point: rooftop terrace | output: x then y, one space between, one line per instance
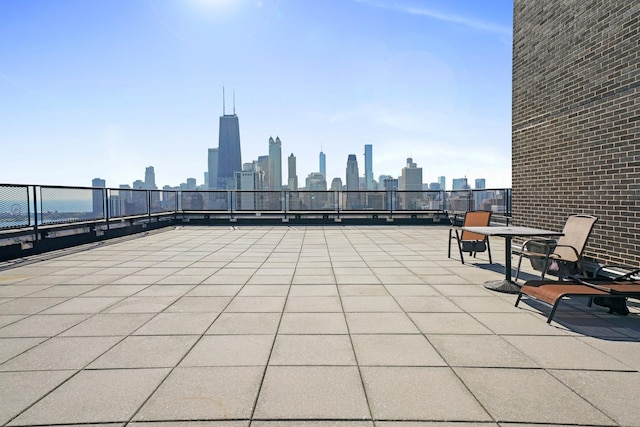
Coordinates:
287 326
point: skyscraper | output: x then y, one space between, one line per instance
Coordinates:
352 173
442 181
460 184
275 164
229 157
98 196
480 184
212 162
323 164
292 182
353 199
411 181
150 179
368 166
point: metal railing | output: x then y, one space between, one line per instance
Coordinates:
33 206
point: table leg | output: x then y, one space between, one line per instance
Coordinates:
505 285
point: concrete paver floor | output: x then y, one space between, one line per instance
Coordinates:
300 326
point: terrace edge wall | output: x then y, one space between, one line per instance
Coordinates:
576 120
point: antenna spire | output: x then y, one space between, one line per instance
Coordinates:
223 103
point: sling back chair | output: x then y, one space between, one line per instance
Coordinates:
558 255
469 242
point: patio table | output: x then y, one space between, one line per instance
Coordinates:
507 285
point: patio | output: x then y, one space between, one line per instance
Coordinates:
287 326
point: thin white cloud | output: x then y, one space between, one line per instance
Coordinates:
470 22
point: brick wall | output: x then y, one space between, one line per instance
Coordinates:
576 120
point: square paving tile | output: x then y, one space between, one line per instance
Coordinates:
115 290
364 304
204 393
61 353
427 304
419 393
564 352
146 352
312 350
246 323
160 290
81 305
412 291
11 347
42 325
108 325
380 323
501 392
395 350
199 305
312 392
178 324
480 351
363 290
230 350
27 305
313 323
136 304
611 400
122 392
256 305
214 291
19 390
448 323
264 291
313 290
310 304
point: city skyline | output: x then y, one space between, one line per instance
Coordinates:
107 88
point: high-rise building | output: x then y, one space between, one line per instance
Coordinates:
352 173
316 182
480 184
368 167
442 181
262 165
292 181
460 184
229 156
97 197
275 164
411 183
336 184
212 163
353 183
150 178
323 164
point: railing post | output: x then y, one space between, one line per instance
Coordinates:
35 214
107 211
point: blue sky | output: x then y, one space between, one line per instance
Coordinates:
104 88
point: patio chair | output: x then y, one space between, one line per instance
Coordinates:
546 255
469 242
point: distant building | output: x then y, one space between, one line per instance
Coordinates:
480 184
98 197
411 181
368 166
229 156
247 199
323 165
139 185
442 182
275 164
336 184
150 178
316 182
353 183
391 184
292 180
460 184
212 163
434 186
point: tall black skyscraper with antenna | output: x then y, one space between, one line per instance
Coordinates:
229 157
